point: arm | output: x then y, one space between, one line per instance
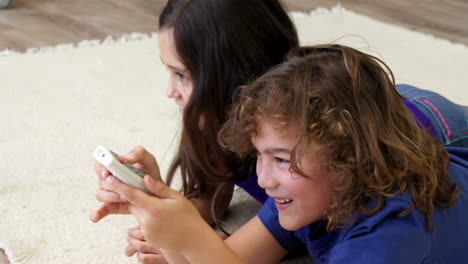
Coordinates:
252 239
203 204
174 257
245 243
168 220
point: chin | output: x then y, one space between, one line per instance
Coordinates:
290 224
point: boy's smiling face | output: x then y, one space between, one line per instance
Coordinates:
300 201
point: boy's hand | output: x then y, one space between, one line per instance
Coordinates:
167 220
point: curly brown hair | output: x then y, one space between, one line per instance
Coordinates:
346 101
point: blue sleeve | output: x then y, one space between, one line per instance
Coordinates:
394 240
251 187
458 155
268 214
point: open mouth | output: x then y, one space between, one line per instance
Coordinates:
283 201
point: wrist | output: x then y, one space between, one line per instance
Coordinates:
209 248
203 207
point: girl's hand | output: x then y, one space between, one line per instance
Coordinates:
167 220
144 161
138 157
146 253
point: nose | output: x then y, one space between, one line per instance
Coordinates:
265 175
171 91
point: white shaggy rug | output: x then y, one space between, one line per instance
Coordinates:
57 104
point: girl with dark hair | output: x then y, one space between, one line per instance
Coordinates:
210 48
347 170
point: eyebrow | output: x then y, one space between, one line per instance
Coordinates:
173 67
271 151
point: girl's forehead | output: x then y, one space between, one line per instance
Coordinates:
168 52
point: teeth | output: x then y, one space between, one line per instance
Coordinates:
283 201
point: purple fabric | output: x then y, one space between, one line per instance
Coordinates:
423 120
251 187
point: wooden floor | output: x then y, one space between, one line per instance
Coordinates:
38 23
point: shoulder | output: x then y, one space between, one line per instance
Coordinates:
458 168
387 238
384 237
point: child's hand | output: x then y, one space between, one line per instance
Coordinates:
167 220
144 161
146 253
112 202
138 157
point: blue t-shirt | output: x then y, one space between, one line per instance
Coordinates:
384 237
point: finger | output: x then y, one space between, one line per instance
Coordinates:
140 155
151 258
130 251
158 188
102 184
102 181
131 194
144 161
107 209
143 246
100 170
108 197
135 233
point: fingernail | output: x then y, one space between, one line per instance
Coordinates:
109 179
103 173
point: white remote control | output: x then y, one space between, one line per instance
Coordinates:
120 168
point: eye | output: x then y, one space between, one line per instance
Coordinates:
281 160
181 76
282 164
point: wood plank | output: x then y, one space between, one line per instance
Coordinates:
51 22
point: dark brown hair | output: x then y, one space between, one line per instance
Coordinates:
223 44
346 101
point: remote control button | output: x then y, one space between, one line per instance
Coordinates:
121 160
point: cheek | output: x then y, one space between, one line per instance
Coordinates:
186 91
296 185
313 197
318 202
